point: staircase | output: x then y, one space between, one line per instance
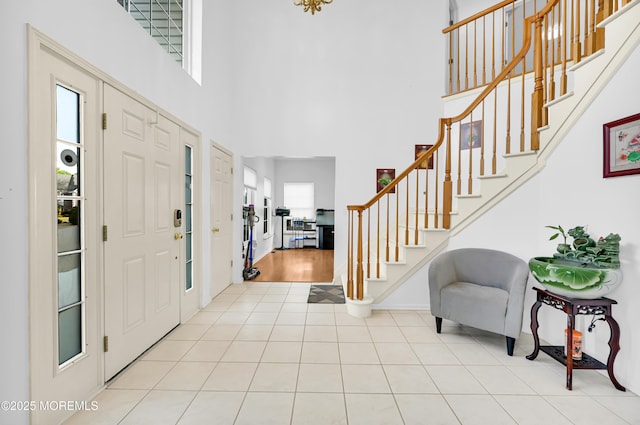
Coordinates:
411 219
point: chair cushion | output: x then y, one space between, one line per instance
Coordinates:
482 307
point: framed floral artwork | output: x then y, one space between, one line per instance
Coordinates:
471 135
621 153
384 176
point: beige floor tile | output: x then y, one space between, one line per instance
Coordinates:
206 351
286 318
345 319
544 380
372 409
423 409
220 408
358 353
396 353
254 333
320 378
380 318
287 333
407 318
320 352
454 380
168 350
220 332
188 332
478 410
142 375
421 334
112 406
319 409
320 333
521 408
276 377
160 407
265 307
233 317
434 354
409 379
230 377
294 308
327 319
266 409
353 334
628 408
186 376
321 308
499 380
244 351
282 352
473 354
262 318
364 379
205 317
274 298
386 334
584 410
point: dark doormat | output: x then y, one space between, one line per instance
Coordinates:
326 294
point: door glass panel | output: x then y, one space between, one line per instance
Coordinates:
69 199
188 216
68 115
69 279
69 333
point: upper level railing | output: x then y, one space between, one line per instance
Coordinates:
504 118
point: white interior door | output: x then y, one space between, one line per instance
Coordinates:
221 219
143 187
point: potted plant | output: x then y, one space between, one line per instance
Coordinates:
584 268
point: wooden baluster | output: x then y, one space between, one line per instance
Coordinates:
350 255
368 244
415 231
450 35
551 58
484 51
458 61
459 181
503 42
482 142
397 221
576 48
545 69
585 37
387 238
475 55
522 84
469 180
426 193
591 38
563 53
604 7
378 241
493 46
436 200
359 276
537 97
507 141
406 214
447 186
466 53
494 156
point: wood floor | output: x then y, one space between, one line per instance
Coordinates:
296 265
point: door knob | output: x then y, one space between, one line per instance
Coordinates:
215 229
177 236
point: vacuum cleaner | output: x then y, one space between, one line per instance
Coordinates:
249 272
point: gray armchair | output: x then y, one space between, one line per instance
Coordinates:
481 288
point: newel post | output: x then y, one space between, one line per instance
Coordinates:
537 97
350 255
447 185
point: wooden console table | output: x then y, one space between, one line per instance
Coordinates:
573 307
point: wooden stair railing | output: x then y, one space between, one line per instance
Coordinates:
422 198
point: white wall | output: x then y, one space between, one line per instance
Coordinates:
264 167
570 191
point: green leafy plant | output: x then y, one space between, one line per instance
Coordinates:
584 250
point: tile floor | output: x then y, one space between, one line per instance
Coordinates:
259 354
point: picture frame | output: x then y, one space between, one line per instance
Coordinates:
424 165
384 176
621 147
471 135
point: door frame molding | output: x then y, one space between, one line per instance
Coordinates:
36 42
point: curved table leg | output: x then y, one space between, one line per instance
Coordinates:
614 347
534 330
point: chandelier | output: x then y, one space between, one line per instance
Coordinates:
313 5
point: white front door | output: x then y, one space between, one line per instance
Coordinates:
221 219
143 189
